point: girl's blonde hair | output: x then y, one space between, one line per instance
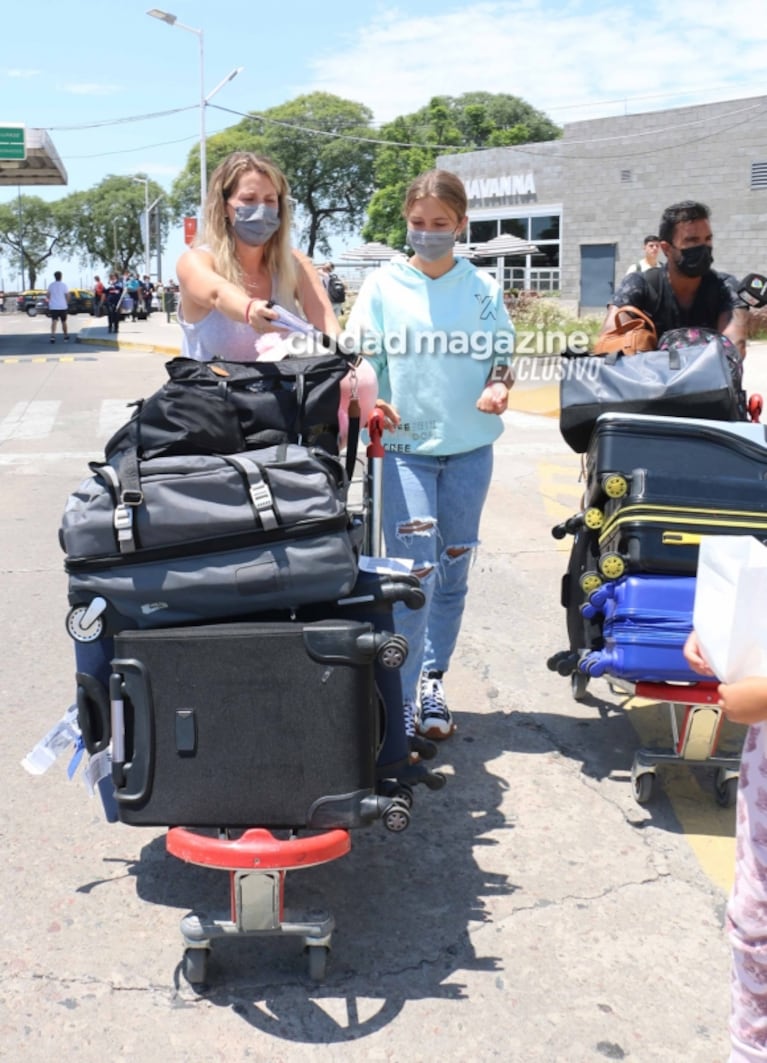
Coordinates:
217 235
443 185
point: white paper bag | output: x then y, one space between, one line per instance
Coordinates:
730 614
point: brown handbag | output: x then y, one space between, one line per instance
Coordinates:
632 332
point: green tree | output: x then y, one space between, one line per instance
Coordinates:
331 178
109 221
411 144
32 231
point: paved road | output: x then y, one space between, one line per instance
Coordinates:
533 912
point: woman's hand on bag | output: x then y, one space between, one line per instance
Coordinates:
260 315
494 399
745 701
390 415
694 656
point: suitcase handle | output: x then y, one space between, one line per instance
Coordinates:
132 714
93 712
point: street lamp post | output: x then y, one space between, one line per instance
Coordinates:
172 20
145 182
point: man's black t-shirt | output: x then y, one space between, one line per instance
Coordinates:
651 291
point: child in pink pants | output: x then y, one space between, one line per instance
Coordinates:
746 702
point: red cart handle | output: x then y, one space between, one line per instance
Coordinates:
257 849
375 432
692 694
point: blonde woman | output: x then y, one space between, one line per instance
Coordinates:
243 259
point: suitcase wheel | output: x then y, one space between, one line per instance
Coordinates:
593 518
614 485
393 653
396 818
612 566
589 582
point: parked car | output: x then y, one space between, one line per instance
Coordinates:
32 301
80 301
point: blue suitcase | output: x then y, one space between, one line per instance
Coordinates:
643 596
647 621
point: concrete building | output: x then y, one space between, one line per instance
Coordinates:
588 200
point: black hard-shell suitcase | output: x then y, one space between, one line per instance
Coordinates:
657 526
274 723
697 451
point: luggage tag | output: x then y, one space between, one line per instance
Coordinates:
65 734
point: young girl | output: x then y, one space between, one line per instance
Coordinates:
746 702
441 343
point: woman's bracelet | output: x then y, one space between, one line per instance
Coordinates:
247 310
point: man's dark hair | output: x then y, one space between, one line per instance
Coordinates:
650 240
687 210
57 275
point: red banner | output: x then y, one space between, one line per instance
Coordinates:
190 230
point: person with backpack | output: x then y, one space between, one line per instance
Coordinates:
650 258
334 286
685 291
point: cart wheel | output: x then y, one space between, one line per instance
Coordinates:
612 565
404 794
318 961
579 685
614 485
642 786
397 816
195 965
593 518
726 789
393 653
589 582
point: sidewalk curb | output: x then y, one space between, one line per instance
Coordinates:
128 345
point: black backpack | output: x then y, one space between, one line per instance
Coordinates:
336 289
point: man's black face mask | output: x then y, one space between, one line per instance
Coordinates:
694 261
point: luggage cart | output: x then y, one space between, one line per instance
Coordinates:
258 863
696 728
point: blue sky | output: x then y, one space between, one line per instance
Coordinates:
92 74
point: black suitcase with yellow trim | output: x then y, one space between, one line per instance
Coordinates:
657 525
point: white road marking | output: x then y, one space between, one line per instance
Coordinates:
29 420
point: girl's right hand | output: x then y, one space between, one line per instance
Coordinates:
391 417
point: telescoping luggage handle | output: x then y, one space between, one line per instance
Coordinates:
375 455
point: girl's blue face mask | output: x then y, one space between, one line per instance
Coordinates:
255 225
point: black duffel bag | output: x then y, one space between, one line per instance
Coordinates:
700 379
222 407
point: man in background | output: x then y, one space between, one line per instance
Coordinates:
650 260
58 305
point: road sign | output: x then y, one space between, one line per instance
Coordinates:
190 230
12 142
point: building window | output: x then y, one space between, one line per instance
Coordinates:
537 272
759 174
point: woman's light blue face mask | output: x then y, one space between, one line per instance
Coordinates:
255 225
431 246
